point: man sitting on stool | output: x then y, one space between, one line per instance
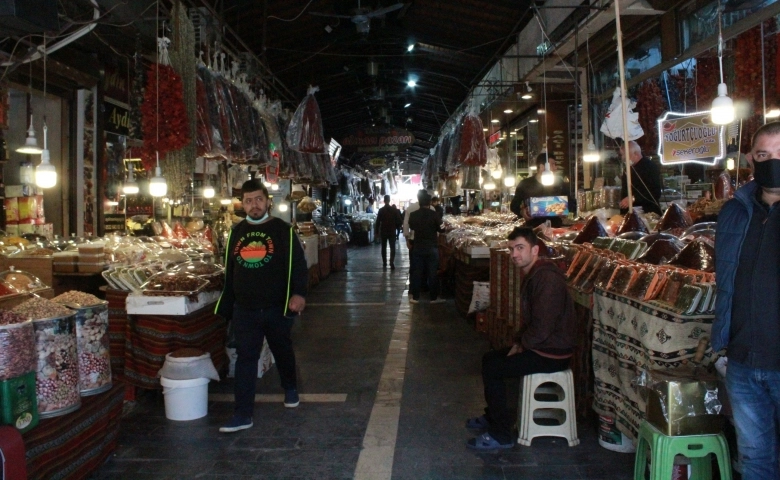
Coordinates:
545 344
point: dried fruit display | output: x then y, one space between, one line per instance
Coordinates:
17 345
74 297
38 308
632 223
592 230
697 255
93 349
57 371
661 252
674 217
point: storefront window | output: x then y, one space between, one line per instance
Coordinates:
703 23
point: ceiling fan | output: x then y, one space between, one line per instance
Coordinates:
362 17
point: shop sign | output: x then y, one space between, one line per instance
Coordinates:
690 138
379 140
117 118
377 162
494 138
115 222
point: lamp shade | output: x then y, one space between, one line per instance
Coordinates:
158 187
722 112
130 187
30 146
45 173
591 154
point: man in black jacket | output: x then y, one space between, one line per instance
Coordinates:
645 181
265 287
425 225
532 187
388 220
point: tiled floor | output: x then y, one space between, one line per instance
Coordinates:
359 336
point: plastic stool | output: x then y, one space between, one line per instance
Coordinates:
13 464
664 448
560 409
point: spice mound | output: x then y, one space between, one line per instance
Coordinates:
10 318
76 297
37 308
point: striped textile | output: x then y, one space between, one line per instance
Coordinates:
117 327
151 337
74 445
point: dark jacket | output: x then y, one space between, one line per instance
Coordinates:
425 223
646 185
747 321
549 322
264 266
388 220
531 187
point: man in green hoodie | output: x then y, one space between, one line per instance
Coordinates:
544 344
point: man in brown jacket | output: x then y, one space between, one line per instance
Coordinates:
544 344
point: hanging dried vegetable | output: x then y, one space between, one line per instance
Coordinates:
203 139
135 118
748 76
179 164
165 126
707 79
650 104
305 130
473 148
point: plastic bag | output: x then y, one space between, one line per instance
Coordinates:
304 134
473 148
613 123
480 297
188 368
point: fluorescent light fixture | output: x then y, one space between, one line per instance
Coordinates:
225 201
495 120
533 120
407 105
508 110
773 113
411 83
112 203
540 111
527 96
484 129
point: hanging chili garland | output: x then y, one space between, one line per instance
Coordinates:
169 121
707 79
651 104
748 79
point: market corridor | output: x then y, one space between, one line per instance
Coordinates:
361 354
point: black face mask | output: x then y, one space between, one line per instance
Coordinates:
767 173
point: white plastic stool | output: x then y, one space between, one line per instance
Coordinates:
560 409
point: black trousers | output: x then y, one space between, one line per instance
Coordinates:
250 327
496 367
385 240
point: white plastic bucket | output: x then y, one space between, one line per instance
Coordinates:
185 399
611 438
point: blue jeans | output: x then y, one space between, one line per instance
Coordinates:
425 260
755 400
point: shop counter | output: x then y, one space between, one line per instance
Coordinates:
150 337
73 446
629 336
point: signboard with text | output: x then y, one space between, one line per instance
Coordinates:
378 140
690 138
117 117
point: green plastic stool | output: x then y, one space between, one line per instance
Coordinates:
664 448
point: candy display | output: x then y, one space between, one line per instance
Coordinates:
674 219
173 284
57 371
632 223
74 297
21 282
697 255
93 347
17 345
592 229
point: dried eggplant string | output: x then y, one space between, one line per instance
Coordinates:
179 164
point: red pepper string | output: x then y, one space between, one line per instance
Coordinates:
174 132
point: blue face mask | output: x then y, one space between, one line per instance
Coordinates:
252 221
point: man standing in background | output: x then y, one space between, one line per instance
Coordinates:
645 181
387 222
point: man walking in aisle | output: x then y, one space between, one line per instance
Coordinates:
425 224
545 344
747 308
265 287
388 220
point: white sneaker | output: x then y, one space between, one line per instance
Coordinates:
439 300
413 301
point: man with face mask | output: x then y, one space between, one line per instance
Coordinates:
747 309
265 287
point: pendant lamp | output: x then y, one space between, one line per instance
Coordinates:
158 187
591 154
548 177
722 111
45 173
30 146
130 187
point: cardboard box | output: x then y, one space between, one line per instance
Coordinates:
684 402
11 210
26 228
13 191
12 229
143 305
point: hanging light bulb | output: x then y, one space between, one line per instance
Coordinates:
283 207
729 164
496 174
591 154
130 187
45 173
548 177
158 187
30 146
509 181
208 189
722 111
489 185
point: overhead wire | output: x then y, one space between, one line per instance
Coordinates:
294 18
